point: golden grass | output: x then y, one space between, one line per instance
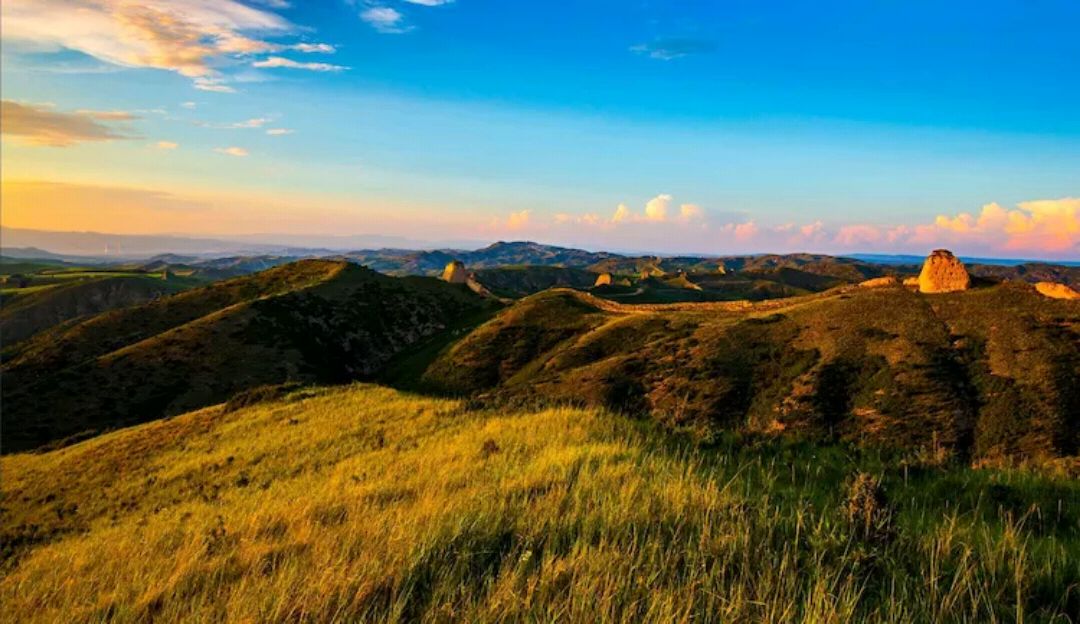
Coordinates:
365 504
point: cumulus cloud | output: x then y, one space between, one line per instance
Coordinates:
812 230
1034 229
658 215
518 220
857 234
194 38
279 61
746 231
41 125
690 212
741 232
1051 225
656 208
231 151
670 48
385 19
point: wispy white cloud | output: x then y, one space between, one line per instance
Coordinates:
113 115
214 85
430 3
279 61
254 122
670 48
198 39
321 48
279 131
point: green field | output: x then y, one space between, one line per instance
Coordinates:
366 504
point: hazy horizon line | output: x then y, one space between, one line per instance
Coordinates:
267 240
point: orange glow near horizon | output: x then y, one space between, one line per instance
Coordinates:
62 206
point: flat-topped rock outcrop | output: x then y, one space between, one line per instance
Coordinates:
455 272
943 273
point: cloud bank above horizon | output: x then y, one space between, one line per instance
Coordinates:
1040 228
1048 229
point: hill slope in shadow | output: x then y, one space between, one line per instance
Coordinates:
310 321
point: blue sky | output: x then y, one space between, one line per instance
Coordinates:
717 126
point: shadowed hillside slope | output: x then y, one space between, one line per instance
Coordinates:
308 321
23 315
983 374
519 281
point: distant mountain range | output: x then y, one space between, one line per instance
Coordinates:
502 255
411 256
99 246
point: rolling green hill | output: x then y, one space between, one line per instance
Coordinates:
27 311
983 374
362 504
307 321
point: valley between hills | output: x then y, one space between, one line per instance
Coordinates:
317 440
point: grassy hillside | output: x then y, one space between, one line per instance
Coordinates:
364 504
522 280
308 321
104 333
26 311
846 270
1029 272
984 374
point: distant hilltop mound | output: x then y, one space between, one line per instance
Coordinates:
879 282
943 273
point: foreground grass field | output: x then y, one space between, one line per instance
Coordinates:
366 504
